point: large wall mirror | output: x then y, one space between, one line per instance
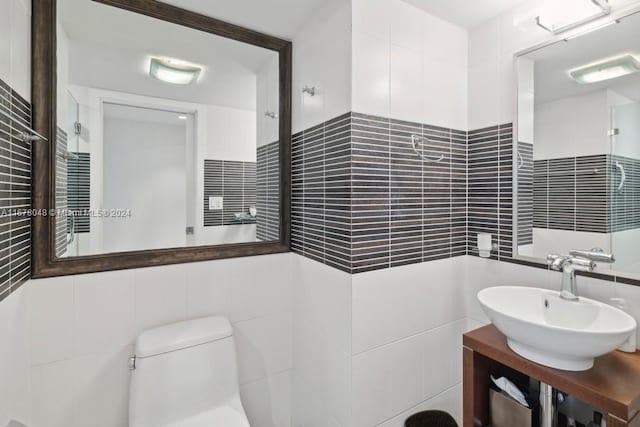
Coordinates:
165 140
578 157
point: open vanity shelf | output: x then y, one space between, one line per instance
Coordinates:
613 384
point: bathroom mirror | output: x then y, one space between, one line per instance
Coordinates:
165 140
578 146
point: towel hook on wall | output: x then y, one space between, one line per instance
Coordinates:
417 139
311 90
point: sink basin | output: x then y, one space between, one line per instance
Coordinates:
542 327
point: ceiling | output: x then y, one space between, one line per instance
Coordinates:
552 63
465 13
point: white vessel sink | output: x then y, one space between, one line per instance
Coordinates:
542 327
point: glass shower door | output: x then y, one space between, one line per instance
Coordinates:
625 186
70 169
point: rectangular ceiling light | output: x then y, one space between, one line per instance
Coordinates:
173 72
559 16
606 70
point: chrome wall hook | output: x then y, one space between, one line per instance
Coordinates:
311 90
417 139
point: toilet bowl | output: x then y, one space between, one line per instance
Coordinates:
185 375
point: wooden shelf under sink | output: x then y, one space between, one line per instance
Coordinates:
613 384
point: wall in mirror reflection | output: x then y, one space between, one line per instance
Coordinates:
579 146
146 158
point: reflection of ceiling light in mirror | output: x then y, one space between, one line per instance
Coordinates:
182 117
606 70
174 72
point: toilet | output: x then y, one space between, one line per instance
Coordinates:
185 375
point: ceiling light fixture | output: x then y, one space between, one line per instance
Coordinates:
175 72
561 16
182 117
606 70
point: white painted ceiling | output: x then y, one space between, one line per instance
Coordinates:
465 13
552 63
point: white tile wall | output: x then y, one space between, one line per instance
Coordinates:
321 345
408 64
407 337
15 70
322 59
396 303
69 367
21 47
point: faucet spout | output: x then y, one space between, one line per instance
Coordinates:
568 265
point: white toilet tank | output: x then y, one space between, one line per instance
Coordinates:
186 375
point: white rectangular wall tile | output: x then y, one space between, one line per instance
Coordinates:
101 388
50 311
20 40
103 311
392 304
5 40
413 61
52 396
264 346
268 401
322 59
406 26
160 296
322 376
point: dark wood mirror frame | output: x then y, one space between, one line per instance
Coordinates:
43 86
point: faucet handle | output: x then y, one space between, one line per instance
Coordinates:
594 255
557 262
551 258
584 264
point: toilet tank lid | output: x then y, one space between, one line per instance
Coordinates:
181 335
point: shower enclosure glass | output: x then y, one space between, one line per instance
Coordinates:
625 185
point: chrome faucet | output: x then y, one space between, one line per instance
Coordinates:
577 260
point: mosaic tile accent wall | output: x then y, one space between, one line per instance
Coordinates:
525 193
61 191
268 192
572 194
582 194
15 191
235 182
490 189
625 201
363 199
79 191
321 222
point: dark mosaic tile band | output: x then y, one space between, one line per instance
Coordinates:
525 193
15 189
624 196
268 192
78 191
321 193
490 189
235 182
584 194
61 191
362 199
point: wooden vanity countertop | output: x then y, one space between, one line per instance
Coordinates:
613 384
